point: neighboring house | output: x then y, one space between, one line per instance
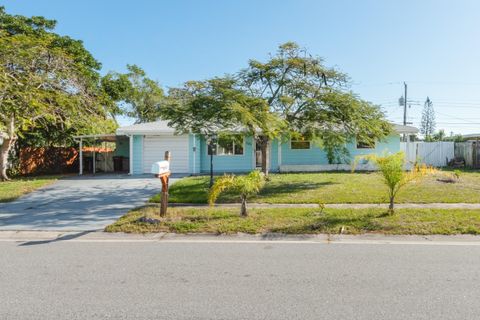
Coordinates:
149 141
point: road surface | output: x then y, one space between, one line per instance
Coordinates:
218 280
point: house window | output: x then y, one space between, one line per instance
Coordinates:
365 144
228 146
299 144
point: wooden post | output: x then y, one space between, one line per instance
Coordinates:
164 179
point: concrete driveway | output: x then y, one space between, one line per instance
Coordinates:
78 203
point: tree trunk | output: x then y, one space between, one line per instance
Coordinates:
390 206
265 144
5 150
243 208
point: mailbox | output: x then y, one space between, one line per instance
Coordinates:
160 168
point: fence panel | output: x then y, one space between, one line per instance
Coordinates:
464 150
436 153
431 153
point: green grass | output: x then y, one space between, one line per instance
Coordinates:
303 221
11 190
337 188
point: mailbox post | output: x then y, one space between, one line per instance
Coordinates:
161 170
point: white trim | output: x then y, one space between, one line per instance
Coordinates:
130 161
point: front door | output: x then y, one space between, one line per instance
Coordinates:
258 155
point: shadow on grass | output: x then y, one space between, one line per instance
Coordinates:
333 224
292 187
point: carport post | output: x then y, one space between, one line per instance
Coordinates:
94 169
81 156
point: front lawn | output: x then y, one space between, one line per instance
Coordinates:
302 221
337 187
11 190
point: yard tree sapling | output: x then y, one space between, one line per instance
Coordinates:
394 175
246 186
313 100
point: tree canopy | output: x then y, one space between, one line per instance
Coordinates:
313 99
136 95
47 80
216 105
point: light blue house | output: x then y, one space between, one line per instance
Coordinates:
147 143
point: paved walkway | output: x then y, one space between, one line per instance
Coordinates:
339 205
78 203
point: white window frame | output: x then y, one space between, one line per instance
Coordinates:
309 144
229 155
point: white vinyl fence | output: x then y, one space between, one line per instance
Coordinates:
436 154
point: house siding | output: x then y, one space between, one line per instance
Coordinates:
317 156
138 154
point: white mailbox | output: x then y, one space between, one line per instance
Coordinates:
160 167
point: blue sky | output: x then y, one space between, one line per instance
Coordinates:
432 45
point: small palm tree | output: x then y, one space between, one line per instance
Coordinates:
246 186
394 175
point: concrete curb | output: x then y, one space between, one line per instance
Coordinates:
46 237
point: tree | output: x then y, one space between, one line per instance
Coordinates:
394 176
216 106
139 96
46 79
246 186
438 136
427 127
313 99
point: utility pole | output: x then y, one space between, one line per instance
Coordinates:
405 110
405 105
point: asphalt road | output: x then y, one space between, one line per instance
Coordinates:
161 280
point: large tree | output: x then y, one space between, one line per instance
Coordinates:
216 105
427 127
136 95
313 99
46 80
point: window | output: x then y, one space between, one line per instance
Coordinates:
299 144
365 144
228 146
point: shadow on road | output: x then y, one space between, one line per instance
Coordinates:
62 238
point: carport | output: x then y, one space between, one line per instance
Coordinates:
106 153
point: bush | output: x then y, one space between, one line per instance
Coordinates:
246 186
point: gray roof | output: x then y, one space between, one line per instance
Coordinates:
404 129
161 127
156 127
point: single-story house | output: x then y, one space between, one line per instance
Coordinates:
145 143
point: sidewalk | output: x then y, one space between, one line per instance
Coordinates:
338 205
